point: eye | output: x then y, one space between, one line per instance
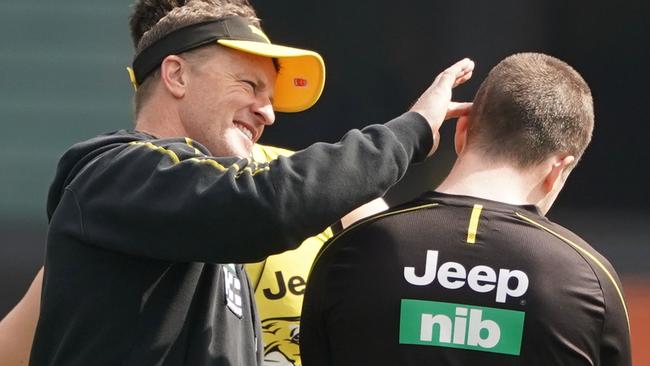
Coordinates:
252 84
294 335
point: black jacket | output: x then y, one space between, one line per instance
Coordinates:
141 231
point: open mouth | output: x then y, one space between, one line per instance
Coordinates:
245 130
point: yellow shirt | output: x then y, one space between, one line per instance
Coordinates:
279 283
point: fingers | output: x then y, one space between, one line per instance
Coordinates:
462 67
455 110
456 74
463 78
435 103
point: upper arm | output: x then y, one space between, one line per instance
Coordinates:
167 202
615 347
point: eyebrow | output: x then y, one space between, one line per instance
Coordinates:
260 84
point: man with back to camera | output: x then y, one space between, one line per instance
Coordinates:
144 223
473 273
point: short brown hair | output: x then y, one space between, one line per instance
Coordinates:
530 106
152 20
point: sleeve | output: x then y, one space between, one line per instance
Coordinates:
314 340
615 348
155 199
612 344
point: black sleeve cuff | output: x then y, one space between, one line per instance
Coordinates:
414 133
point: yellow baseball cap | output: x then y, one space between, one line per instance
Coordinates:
299 82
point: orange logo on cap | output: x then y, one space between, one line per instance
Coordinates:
299 82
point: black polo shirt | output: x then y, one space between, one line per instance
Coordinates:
455 280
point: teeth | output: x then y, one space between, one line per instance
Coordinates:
246 131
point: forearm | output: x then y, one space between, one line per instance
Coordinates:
18 327
326 181
373 207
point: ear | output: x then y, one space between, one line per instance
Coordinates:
460 137
173 72
558 166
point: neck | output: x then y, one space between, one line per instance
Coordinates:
159 119
473 175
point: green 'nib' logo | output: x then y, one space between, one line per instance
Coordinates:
442 324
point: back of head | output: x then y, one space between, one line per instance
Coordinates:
152 20
529 107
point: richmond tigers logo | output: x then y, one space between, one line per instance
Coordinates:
281 337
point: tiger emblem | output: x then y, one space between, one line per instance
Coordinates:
281 341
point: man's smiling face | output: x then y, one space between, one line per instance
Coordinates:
228 100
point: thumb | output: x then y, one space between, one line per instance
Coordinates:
455 109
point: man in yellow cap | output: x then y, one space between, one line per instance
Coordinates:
278 283
148 227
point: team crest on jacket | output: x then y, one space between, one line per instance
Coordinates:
232 285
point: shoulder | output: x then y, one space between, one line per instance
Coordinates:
137 141
385 220
599 266
566 238
367 244
264 153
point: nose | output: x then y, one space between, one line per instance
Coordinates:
263 109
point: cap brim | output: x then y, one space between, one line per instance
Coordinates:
301 78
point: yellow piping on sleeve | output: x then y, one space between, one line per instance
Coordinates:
583 251
207 161
160 149
190 143
366 220
210 162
